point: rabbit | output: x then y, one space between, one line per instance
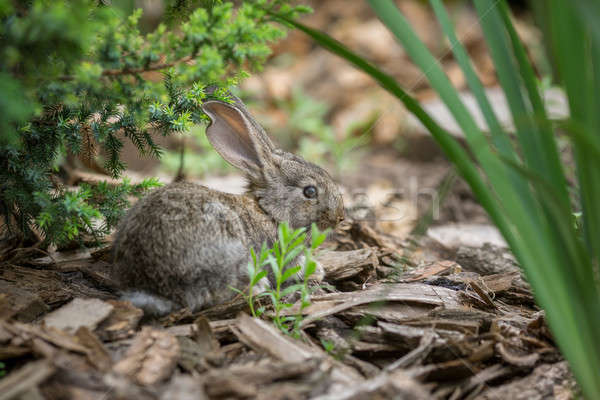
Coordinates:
183 244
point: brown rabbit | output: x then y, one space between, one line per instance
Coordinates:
184 244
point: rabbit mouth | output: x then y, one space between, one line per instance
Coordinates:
330 223
334 220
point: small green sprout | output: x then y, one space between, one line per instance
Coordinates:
282 258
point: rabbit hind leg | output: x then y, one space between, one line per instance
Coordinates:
224 267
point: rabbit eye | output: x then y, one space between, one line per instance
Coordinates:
310 192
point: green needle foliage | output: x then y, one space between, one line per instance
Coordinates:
78 77
93 210
553 229
289 278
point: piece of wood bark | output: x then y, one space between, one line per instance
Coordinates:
416 355
487 260
200 344
480 379
498 283
27 334
94 263
407 337
517 358
48 285
151 358
411 293
340 265
76 370
33 393
203 334
220 329
122 321
20 304
59 258
248 380
78 313
59 390
97 354
184 387
227 310
10 351
366 368
25 378
396 385
371 348
445 371
264 337
391 312
548 381
445 324
100 273
339 345
426 271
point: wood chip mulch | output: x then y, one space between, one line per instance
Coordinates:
394 320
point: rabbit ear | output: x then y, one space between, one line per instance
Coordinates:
237 137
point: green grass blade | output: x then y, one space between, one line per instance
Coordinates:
549 151
529 115
508 76
575 51
589 12
588 162
577 338
552 165
499 137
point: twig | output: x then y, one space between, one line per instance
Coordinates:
418 354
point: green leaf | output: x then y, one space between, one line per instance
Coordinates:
317 237
290 272
291 289
272 261
235 290
292 253
309 268
256 278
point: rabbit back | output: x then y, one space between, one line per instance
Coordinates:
188 243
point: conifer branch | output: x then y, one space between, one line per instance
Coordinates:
138 70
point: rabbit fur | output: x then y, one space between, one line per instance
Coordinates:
184 244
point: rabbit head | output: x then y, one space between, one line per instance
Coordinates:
286 187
